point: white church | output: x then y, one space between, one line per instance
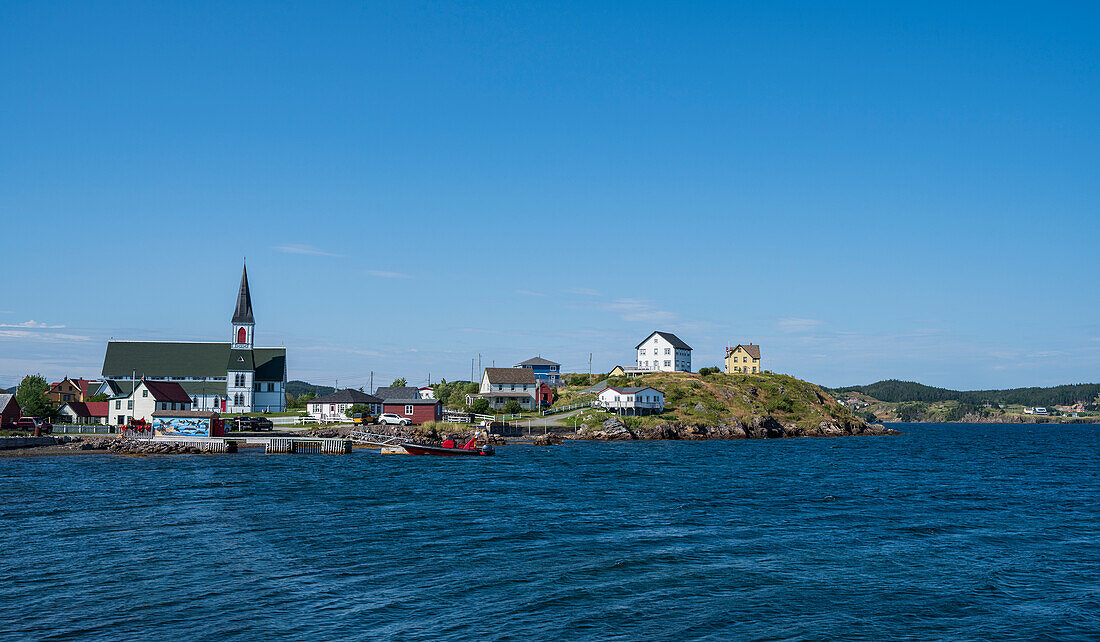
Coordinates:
232 376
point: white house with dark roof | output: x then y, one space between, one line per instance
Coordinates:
334 407
147 397
501 385
232 376
663 352
632 401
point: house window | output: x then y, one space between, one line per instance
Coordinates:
271 387
667 362
641 351
666 351
130 404
118 404
144 393
409 410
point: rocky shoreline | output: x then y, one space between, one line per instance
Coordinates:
613 429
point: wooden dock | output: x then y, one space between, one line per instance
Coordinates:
287 445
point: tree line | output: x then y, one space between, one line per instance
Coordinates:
896 391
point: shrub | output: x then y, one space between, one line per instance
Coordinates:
480 406
709 371
512 407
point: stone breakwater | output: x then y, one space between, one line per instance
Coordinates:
141 447
614 429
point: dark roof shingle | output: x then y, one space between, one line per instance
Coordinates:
348 395
397 392
667 336
537 361
510 375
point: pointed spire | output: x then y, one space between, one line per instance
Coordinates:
243 311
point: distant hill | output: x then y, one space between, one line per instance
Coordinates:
896 391
298 388
11 390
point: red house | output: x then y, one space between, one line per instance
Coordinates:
417 411
9 410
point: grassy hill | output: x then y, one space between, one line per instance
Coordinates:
298 388
731 406
896 391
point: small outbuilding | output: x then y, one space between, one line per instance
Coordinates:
9 410
417 411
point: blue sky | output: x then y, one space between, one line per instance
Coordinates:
868 190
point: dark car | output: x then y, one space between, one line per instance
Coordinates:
248 424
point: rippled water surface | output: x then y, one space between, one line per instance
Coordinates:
945 531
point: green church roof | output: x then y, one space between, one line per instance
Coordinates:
183 359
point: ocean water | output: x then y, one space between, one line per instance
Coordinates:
947 531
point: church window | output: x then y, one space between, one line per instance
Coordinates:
242 335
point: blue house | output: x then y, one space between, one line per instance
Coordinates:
544 369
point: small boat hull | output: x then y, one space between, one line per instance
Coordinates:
440 451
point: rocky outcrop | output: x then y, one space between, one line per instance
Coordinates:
759 427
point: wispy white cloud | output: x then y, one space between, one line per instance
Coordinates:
639 310
795 324
529 293
53 337
310 250
383 274
582 291
30 324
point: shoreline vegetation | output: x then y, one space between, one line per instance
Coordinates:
910 402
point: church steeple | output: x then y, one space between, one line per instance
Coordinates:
243 323
243 312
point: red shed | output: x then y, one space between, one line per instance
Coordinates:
9 410
417 411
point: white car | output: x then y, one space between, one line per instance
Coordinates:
390 418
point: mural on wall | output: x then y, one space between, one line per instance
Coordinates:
176 426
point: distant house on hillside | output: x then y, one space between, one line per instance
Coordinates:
663 352
427 392
743 358
544 369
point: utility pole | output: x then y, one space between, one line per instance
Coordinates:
479 362
372 382
471 368
590 368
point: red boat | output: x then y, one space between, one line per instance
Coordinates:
448 449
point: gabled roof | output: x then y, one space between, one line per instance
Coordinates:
5 399
240 360
167 391
348 395
88 408
397 392
630 391
242 313
510 375
751 348
537 361
667 336
190 414
187 359
410 402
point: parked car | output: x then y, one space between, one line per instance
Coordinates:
362 418
29 424
390 418
246 424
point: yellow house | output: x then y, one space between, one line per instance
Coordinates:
617 371
743 358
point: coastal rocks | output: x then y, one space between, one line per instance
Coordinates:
549 439
141 447
613 429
